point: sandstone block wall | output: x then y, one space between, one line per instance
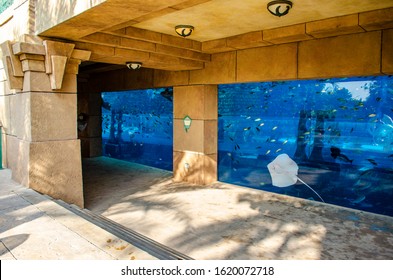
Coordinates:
39 116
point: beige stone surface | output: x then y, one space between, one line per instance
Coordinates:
267 63
5 88
56 169
210 137
5 114
20 116
4 148
193 140
216 46
171 78
198 102
72 66
286 34
334 26
195 168
33 65
13 81
18 156
350 55
13 60
19 48
387 51
38 81
248 40
376 20
200 138
53 116
221 70
27 56
58 67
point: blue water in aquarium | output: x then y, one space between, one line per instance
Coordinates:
137 126
338 131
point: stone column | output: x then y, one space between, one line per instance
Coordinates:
89 107
43 151
195 150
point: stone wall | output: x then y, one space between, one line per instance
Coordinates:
38 95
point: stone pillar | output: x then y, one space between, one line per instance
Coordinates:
89 107
195 150
43 151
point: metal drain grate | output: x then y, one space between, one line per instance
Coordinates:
144 243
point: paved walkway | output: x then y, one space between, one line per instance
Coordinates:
219 221
223 221
32 226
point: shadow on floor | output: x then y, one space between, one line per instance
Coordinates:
223 221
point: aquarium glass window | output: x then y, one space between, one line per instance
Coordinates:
137 126
337 132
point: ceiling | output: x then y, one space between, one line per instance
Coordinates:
217 19
117 31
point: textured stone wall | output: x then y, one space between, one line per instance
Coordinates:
195 150
38 94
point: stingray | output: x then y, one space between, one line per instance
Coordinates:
283 171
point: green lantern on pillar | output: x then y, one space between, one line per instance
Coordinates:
187 123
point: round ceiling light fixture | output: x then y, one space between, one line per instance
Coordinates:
134 65
279 8
184 30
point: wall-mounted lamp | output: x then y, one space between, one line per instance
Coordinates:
279 8
184 30
134 65
187 123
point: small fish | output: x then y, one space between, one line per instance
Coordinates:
378 99
257 120
372 115
391 156
286 141
343 107
278 150
358 200
259 147
372 161
261 124
273 140
351 130
261 183
257 128
336 154
228 126
341 99
306 133
247 128
274 128
230 138
267 152
229 154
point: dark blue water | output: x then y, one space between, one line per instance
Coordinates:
137 126
338 131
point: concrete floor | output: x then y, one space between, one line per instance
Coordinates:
35 227
223 221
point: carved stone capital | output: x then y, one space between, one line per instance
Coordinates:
53 60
